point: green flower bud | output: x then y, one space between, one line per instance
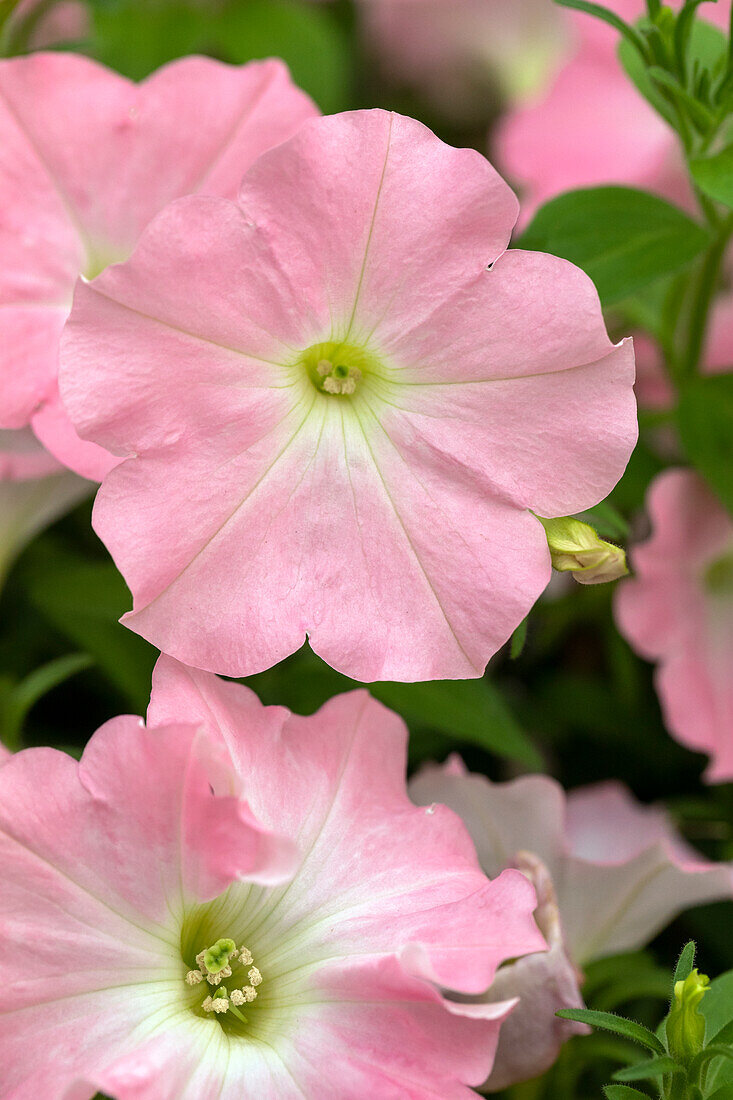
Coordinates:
576 548
685 1023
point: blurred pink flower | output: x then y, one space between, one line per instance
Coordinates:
457 51
86 159
653 387
241 901
618 869
592 126
339 417
678 611
35 490
44 25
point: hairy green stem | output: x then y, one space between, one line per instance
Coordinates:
701 301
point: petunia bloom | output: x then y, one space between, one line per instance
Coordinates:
610 873
678 611
592 126
86 159
35 490
238 901
340 417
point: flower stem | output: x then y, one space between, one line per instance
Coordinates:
701 301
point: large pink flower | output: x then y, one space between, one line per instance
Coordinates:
86 159
244 904
592 126
619 871
678 611
340 418
35 490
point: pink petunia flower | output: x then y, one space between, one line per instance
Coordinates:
238 901
340 417
86 159
592 126
678 611
35 490
610 873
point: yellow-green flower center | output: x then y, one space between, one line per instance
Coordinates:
224 961
339 369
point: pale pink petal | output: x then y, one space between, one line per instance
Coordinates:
404 1046
52 426
532 398
546 982
527 814
87 158
671 611
22 458
612 907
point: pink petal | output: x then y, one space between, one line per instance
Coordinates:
87 158
52 426
527 814
669 613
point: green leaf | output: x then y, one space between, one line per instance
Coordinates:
725 1092
623 238
714 175
648 1071
38 683
618 1024
137 36
706 51
623 1092
519 638
685 963
606 520
705 422
83 600
466 710
717 1007
606 16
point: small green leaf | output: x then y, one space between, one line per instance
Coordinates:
38 683
519 637
705 421
606 16
618 1024
623 238
607 520
717 1008
648 1071
623 1092
714 175
725 1092
685 963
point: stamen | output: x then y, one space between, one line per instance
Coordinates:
339 378
215 964
216 1004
